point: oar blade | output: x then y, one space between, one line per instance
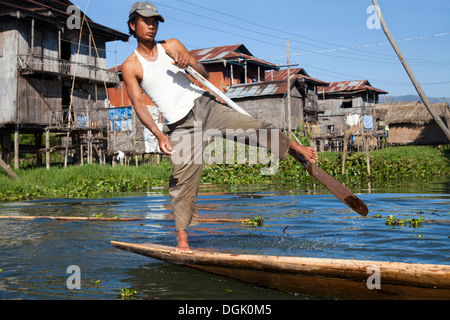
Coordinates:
338 189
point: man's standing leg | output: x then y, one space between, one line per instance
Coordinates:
187 168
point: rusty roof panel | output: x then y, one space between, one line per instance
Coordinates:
281 74
348 86
214 53
296 73
237 52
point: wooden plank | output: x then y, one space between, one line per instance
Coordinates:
111 219
70 218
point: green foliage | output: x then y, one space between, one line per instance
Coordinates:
127 293
255 222
392 221
392 163
89 181
413 222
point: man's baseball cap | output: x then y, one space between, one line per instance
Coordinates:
146 9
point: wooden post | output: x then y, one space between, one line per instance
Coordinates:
288 89
366 146
411 75
344 151
38 144
47 148
67 148
16 147
81 152
365 142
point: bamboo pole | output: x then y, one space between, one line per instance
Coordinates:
69 218
110 219
411 75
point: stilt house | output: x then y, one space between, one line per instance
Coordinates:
53 78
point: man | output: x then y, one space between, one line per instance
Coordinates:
186 107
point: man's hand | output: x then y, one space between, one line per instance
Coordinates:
164 145
181 60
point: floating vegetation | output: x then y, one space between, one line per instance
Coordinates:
416 222
255 222
413 222
127 293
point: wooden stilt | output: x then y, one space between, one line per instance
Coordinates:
47 148
16 147
344 151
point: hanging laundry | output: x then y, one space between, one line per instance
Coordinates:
352 120
368 122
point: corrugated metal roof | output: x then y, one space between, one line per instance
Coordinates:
281 74
237 52
348 86
300 73
256 89
216 53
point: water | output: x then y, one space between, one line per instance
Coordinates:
35 254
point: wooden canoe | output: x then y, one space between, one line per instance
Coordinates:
327 278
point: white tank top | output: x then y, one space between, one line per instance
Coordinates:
168 86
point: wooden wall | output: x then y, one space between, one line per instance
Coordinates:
274 108
8 69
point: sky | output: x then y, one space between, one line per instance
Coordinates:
332 40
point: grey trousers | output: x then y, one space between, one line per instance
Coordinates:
187 138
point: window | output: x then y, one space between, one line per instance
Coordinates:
65 50
347 103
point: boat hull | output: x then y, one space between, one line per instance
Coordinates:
327 278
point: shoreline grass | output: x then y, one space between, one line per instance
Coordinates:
89 181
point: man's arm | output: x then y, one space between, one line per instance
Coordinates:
129 74
183 57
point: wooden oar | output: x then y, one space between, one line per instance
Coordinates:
339 190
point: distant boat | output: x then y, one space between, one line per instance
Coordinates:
327 278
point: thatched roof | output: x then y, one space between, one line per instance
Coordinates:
410 112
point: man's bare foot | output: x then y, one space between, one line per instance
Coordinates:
182 240
308 153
